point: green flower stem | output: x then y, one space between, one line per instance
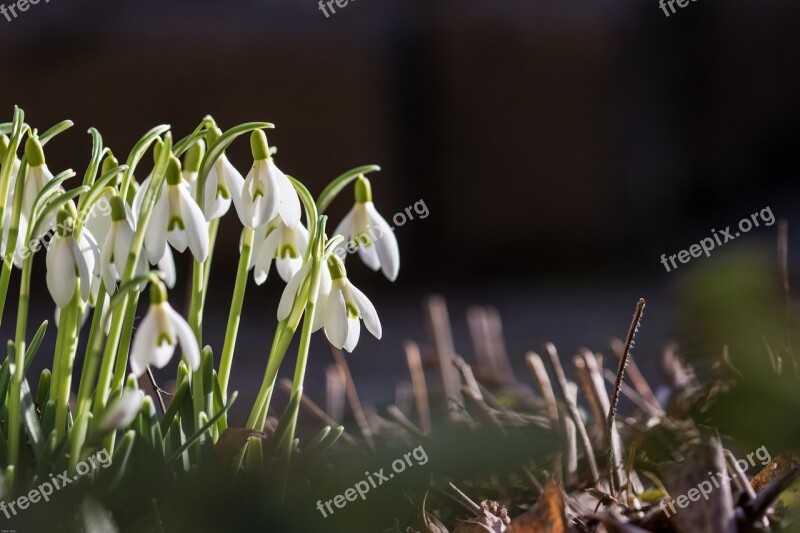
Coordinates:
195 304
19 367
90 363
102 390
285 453
125 342
71 316
333 189
235 313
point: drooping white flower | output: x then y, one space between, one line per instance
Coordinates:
223 184
295 284
36 176
159 333
366 230
117 245
276 240
122 411
176 219
266 190
69 262
343 307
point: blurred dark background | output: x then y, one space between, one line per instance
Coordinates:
560 147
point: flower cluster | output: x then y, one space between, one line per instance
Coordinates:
100 260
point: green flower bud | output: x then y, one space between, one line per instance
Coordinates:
259 146
34 152
363 190
194 156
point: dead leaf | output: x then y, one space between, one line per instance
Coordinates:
549 515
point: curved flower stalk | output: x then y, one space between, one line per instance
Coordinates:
70 262
223 184
6 201
117 243
372 236
267 191
287 246
177 220
159 333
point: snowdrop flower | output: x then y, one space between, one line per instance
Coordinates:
176 219
295 284
276 240
343 307
266 191
158 334
122 412
366 229
37 175
98 221
223 184
69 262
117 245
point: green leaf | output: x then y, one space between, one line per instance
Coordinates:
43 389
175 405
194 438
138 151
31 419
121 457
53 207
32 350
61 127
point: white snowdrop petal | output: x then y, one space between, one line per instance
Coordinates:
61 276
336 318
368 312
287 267
368 254
155 236
266 253
196 228
385 243
79 260
345 229
144 343
185 336
289 207
353 333
290 291
122 412
167 266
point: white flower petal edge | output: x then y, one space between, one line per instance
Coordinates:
122 412
61 276
336 323
196 228
368 312
290 291
144 343
158 334
385 243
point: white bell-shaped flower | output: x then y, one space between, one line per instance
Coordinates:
266 190
69 263
343 307
295 284
176 219
223 184
117 245
159 333
287 246
366 230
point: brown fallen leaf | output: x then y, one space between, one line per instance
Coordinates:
549 515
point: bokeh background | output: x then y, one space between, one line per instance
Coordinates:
559 147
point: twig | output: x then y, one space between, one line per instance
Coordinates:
414 361
157 390
352 397
317 411
612 412
572 409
